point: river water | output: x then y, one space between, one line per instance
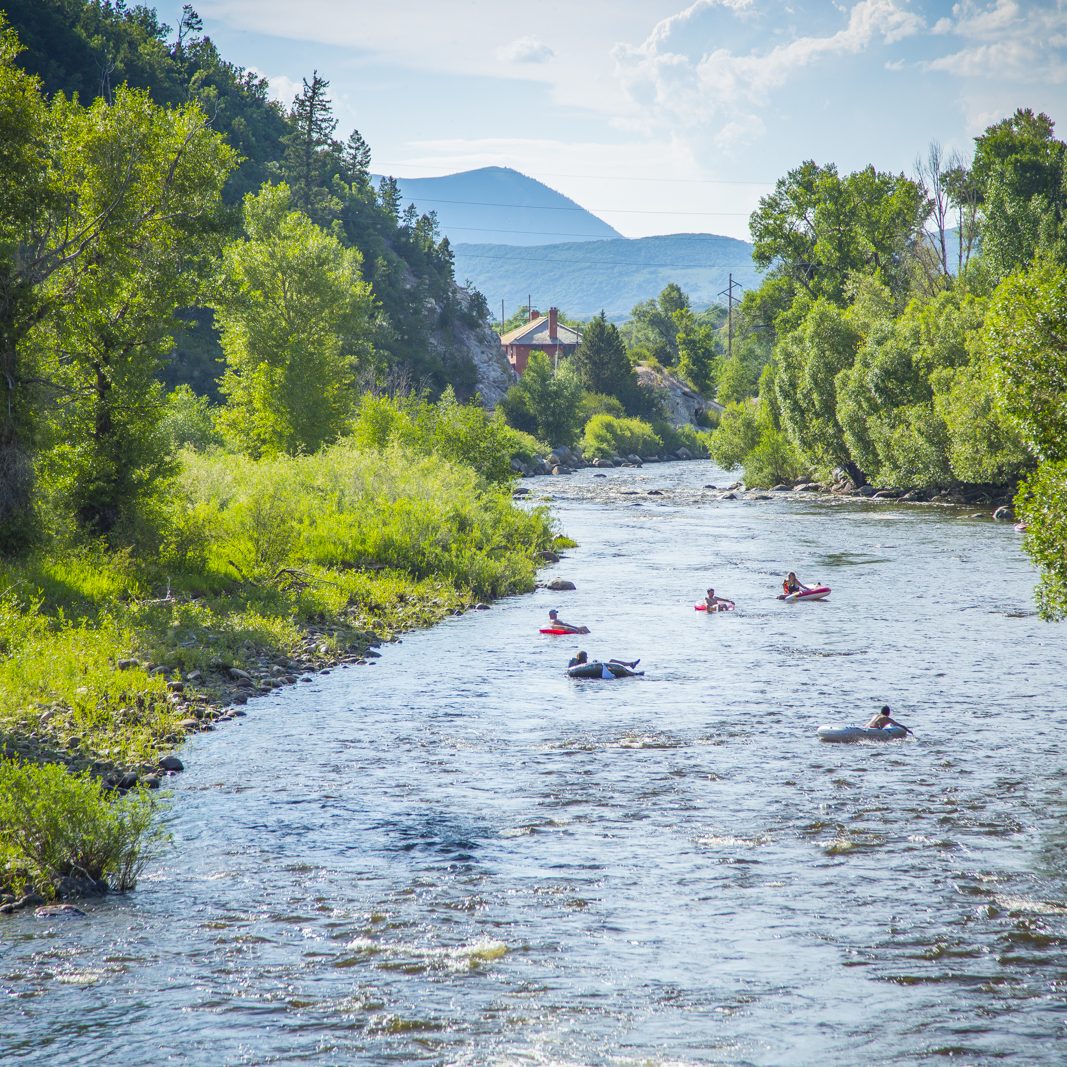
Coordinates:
460 856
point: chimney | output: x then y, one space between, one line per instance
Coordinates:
534 314
553 316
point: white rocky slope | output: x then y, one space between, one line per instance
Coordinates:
480 344
684 405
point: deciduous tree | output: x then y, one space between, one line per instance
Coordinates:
297 319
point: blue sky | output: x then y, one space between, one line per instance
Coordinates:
658 115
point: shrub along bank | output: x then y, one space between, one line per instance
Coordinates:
253 572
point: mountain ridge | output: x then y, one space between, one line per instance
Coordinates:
513 207
584 278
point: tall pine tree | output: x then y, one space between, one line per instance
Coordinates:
311 154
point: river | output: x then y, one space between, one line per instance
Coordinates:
460 856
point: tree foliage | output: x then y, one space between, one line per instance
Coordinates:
818 229
296 320
545 403
601 365
108 227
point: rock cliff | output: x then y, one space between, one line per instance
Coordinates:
684 405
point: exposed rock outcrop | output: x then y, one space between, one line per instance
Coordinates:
458 341
684 405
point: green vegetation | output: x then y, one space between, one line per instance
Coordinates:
546 404
606 436
57 828
358 542
885 362
294 315
93 49
151 543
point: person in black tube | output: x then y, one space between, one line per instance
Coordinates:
583 657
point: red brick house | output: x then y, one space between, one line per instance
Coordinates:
540 334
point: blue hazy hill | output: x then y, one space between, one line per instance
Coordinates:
502 206
584 278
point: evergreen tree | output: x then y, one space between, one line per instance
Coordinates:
600 360
310 150
356 157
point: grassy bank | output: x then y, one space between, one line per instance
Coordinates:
262 567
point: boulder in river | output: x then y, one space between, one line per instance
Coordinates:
560 585
59 911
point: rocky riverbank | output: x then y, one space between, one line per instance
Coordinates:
566 460
999 497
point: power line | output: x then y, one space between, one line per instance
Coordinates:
587 236
567 259
576 207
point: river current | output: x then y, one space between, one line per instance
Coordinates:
460 856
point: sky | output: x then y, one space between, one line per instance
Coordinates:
660 116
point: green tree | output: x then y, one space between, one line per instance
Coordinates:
157 176
817 229
29 197
311 155
807 362
699 350
103 232
601 365
736 436
652 328
545 403
1026 336
735 381
296 320
982 445
1019 170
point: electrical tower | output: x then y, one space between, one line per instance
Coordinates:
728 292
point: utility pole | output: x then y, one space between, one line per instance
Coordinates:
501 314
728 292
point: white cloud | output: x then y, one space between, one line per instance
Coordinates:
281 87
1002 42
696 92
525 50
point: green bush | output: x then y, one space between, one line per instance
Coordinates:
675 437
56 825
189 421
738 433
599 404
607 436
773 461
466 434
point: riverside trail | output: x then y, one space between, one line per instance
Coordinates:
461 856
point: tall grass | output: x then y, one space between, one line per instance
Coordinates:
235 567
350 539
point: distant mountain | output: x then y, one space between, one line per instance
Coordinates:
501 205
583 278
